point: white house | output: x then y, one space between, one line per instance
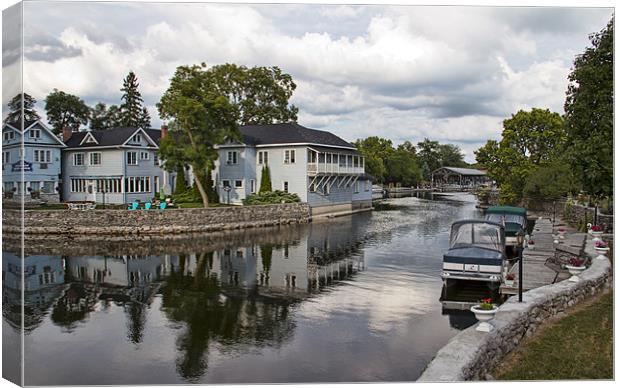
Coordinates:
324 170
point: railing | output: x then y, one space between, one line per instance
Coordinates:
333 168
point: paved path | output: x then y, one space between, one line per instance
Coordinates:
535 271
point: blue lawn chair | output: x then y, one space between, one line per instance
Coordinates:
134 206
147 206
163 205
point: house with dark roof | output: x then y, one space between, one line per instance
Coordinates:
465 177
116 165
325 171
33 171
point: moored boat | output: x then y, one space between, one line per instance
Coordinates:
512 218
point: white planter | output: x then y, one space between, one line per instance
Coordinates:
596 234
483 316
510 283
602 251
575 271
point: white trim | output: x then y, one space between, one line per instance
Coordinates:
243 145
149 139
42 126
88 136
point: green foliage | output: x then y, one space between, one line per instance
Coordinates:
260 94
15 109
402 167
211 192
483 194
271 197
568 209
376 150
589 113
433 155
530 140
450 155
65 110
103 118
266 253
549 182
132 111
180 184
265 180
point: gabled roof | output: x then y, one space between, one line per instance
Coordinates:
110 137
30 124
17 124
289 133
462 171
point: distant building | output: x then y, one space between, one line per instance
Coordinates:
320 167
39 161
467 177
117 165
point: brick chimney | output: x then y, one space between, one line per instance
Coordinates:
164 130
66 133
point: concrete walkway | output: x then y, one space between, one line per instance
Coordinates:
538 269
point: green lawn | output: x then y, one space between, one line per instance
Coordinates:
578 346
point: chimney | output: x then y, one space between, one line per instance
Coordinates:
66 133
164 130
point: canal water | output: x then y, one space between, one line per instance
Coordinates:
352 299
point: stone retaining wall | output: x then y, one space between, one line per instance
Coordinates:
471 355
170 221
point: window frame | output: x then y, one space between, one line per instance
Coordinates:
75 155
238 186
289 156
90 158
228 158
135 158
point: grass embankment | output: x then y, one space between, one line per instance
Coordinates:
577 346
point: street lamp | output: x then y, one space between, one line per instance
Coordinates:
520 238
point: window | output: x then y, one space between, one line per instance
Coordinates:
8 135
78 159
289 156
35 186
156 183
6 157
35 133
137 138
109 185
311 156
42 156
155 159
355 161
328 158
356 187
144 155
263 157
78 185
225 183
231 157
252 186
349 160
285 186
48 187
138 184
95 158
238 183
132 158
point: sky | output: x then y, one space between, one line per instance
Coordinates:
447 73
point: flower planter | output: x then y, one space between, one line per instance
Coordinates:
510 283
597 233
575 271
483 316
602 251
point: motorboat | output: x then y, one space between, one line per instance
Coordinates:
477 252
512 218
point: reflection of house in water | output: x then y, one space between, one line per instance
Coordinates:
44 278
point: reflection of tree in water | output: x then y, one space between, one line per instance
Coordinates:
211 317
73 306
136 320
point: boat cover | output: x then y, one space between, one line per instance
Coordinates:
474 255
477 233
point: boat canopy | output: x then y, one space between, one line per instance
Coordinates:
512 210
477 233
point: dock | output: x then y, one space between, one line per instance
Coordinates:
538 269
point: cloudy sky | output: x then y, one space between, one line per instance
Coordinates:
451 74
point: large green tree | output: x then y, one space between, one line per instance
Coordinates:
260 94
65 110
589 113
429 156
376 150
402 166
201 117
451 156
15 109
132 110
530 139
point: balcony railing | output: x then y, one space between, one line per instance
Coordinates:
333 168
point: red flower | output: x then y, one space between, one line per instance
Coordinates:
597 228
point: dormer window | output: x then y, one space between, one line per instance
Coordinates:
137 138
35 133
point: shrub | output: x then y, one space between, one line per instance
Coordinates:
265 180
270 197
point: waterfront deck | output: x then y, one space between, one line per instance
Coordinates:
537 270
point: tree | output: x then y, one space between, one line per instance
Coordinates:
201 117
549 182
99 117
529 140
144 121
265 180
451 156
180 184
261 94
589 113
131 109
65 110
377 151
402 167
15 109
429 157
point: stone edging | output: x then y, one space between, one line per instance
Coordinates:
470 355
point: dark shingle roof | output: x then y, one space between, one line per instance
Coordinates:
289 133
110 137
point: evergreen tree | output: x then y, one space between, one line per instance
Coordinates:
99 117
265 180
131 110
211 192
180 185
15 109
145 119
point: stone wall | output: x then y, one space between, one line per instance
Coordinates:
471 355
170 221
